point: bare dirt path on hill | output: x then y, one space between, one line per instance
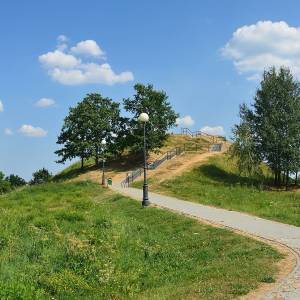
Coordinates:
179 165
167 170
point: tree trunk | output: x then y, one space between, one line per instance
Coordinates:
82 161
286 180
97 156
278 178
296 178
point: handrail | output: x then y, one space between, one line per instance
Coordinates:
187 131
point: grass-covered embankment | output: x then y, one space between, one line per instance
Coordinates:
129 161
77 240
218 183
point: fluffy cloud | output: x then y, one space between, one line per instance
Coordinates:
1 106
88 47
217 130
31 131
259 46
45 102
59 59
65 68
8 131
185 121
89 73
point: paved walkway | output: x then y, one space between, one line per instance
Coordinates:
288 235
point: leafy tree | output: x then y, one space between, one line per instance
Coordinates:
73 137
41 176
103 124
274 123
243 149
89 123
15 180
4 185
161 117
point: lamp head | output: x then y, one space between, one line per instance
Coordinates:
143 117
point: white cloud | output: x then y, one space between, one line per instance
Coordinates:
8 131
185 121
62 38
217 130
89 73
1 106
59 59
62 42
256 47
88 47
67 69
45 102
31 131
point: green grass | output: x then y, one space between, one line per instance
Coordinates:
217 183
77 240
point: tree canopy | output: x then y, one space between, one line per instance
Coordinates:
96 119
161 116
41 176
10 182
92 121
274 123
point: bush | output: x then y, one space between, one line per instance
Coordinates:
15 180
41 176
4 186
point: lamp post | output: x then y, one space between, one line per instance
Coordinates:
144 118
103 161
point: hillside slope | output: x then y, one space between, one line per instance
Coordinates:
78 240
117 169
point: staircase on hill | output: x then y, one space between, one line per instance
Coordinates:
198 147
199 133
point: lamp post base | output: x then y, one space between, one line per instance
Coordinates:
145 201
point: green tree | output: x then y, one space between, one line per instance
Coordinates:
161 117
243 149
4 185
274 123
15 180
41 176
89 123
276 119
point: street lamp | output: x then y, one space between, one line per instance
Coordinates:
144 118
103 143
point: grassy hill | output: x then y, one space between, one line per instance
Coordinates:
218 183
127 162
77 240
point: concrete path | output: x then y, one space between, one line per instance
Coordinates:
288 235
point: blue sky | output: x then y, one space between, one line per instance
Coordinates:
207 56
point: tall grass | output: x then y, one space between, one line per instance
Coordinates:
77 240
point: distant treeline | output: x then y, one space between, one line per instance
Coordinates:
11 182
